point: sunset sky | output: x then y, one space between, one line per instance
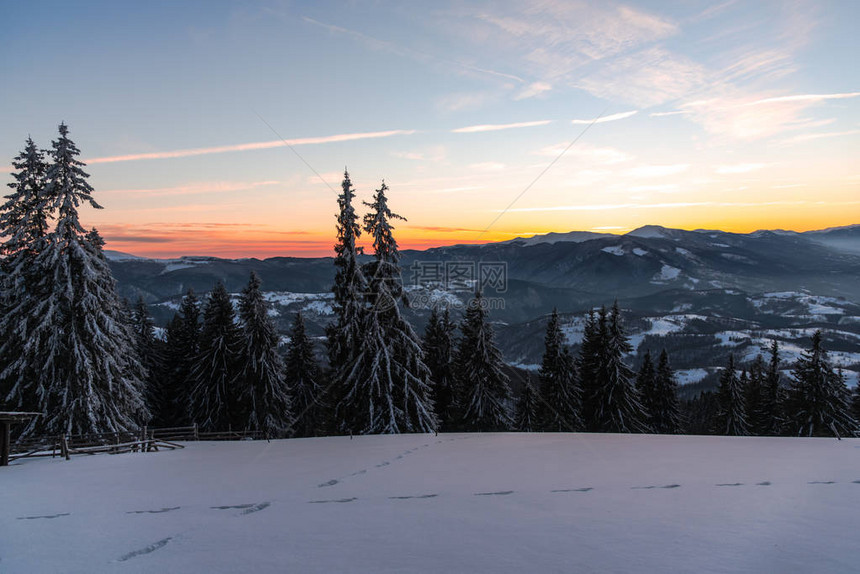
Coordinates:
737 115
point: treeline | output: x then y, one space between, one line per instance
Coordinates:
74 351
815 401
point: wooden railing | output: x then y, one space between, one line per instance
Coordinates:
144 440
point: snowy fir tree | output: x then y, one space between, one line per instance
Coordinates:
755 392
665 413
23 227
345 335
264 396
183 346
303 380
526 417
387 384
214 398
646 386
855 403
78 362
731 418
560 400
478 368
438 347
772 405
818 401
616 402
151 352
591 355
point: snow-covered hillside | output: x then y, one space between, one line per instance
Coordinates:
452 503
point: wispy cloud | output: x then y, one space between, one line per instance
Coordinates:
677 205
488 166
196 188
740 168
659 170
532 90
604 119
497 127
810 98
667 114
249 146
825 135
586 153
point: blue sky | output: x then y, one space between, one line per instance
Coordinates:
737 115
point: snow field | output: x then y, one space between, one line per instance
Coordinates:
453 503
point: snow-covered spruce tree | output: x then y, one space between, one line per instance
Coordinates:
438 347
855 403
589 362
183 346
665 410
617 406
303 380
79 346
560 400
646 386
526 418
773 398
264 398
214 398
754 397
345 335
478 369
151 352
731 418
387 384
23 227
818 400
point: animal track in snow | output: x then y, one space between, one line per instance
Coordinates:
335 500
731 484
256 508
151 548
415 496
765 483
232 507
49 516
586 489
822 482
331 482
655 486
499 493
153 511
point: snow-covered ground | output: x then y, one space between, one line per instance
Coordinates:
452 503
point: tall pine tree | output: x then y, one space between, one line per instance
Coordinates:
665 410
526 418
345 335
480 375
387 385
303 379
152 357
818 401
616 402
646 386
264 395
214 398
731 416
439 356
79 348
183 346
560 396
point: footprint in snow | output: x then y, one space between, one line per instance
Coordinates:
410 497
256 508
151 548
822 482
586 489
335 500
232 507
655 486
49 516
499 493
331 482
356 473
153 511
731 484
381 464
765 483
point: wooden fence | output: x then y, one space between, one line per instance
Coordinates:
144 440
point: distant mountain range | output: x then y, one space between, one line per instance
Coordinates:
699 293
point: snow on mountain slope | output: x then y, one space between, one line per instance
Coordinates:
452 503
